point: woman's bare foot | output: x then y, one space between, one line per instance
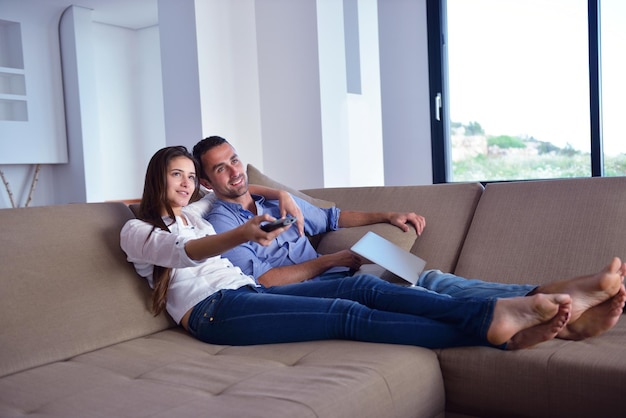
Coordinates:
513 315
591 290
597 319
542 332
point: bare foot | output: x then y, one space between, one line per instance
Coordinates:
591 290
596 320
542 332
512 315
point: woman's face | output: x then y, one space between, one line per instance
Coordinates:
181 183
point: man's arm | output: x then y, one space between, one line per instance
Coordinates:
351 218
306 270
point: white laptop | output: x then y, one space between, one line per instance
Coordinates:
388 255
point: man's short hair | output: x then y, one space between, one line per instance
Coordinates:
203 146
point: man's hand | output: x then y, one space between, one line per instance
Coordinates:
401 220
343 258
289 206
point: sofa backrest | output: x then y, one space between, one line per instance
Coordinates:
65 285
539 231
448 209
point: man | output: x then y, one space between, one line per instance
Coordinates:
598 299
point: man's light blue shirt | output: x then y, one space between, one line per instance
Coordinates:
287 249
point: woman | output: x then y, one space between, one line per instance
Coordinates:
179 254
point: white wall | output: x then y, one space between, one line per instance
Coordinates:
335 103
236 112
312 132
263 83
289 75
130 106
181 74
365 109
229 82
119 117
405 92
150 126
82 175
114 106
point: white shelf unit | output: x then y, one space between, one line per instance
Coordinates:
13 99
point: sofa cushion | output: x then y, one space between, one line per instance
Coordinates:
554 379
65 286
255 176
539 231
536 232
448 209
170 374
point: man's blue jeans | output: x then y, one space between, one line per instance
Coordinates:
448 284
451 285
362 308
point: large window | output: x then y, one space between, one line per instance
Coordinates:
520 88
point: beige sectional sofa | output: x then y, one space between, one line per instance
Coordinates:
77 339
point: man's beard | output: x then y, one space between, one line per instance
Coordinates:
236 192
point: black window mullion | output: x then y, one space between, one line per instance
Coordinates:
434 16
595 88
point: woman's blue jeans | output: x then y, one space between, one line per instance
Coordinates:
361 308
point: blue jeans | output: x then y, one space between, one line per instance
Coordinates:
448 284
451 285
361 308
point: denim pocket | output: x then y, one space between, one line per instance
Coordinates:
203 314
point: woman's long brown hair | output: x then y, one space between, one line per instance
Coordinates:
153 203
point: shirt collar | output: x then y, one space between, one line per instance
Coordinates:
237 207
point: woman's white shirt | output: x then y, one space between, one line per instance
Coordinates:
191 281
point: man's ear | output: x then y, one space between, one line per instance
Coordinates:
206 183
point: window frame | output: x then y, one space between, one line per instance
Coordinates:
436 13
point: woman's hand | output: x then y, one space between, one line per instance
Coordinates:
212 245
289 206
252 230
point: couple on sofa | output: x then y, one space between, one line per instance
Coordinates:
282 291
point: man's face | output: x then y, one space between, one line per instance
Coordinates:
225 171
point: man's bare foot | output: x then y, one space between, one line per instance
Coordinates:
591 290
596 320
512 315
542 332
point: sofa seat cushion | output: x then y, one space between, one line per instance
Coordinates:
171 374
555 379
